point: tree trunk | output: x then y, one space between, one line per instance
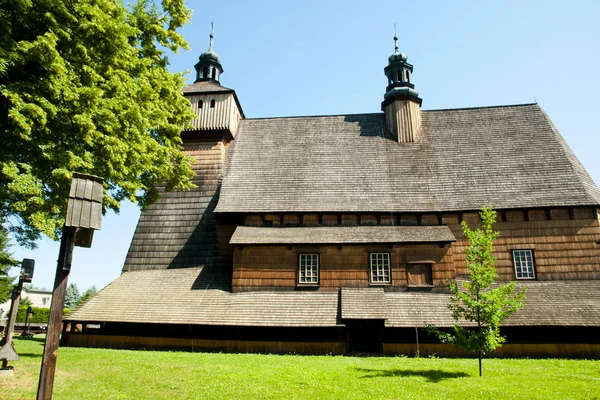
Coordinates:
479 362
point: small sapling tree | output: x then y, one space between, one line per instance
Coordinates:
476 301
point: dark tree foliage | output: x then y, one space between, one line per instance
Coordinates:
6 262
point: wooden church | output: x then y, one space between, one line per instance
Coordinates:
337 234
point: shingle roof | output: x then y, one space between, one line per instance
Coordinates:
194 296
504 157
551 303
363 303
341 234
205 87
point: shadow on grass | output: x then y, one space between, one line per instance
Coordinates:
30 355
31 339
432 375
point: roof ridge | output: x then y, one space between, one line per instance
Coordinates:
381 113
484 107
314 116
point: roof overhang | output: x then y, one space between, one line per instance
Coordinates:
246 235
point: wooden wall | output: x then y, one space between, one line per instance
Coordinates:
536 350
563 241
188 344
276 267
563 248
224 115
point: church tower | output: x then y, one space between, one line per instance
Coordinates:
401 104
217 108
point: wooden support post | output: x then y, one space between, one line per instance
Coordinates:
12 317
63 267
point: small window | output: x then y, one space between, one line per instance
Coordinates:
407 76
419 274
308 270
214 73
212 103
205 72
399 76
380 268
200 104
523 264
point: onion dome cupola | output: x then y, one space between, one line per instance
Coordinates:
401 102
209 66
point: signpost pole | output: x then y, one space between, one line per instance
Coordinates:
63 268
10 328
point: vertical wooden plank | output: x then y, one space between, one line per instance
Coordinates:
88 189
63 267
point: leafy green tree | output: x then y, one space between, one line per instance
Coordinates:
88 294
6 262
476 301
84 87
25 302
72 296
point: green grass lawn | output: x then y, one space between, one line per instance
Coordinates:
121 374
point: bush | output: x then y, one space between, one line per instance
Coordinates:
40 315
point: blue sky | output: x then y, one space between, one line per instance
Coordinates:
327 57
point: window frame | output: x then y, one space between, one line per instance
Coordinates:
389 267
318 272
533 273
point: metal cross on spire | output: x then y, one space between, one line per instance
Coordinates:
395 39
212 34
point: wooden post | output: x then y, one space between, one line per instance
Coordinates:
14 308
417 335
63 268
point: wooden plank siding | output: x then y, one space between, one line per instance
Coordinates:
564 247
536 350
189 344
224 115
276 267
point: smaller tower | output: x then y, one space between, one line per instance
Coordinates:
209 66
217 108
401 104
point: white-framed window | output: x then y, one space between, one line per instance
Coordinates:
523 260
379 264
308 269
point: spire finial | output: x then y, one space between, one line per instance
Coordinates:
212 34
395 39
